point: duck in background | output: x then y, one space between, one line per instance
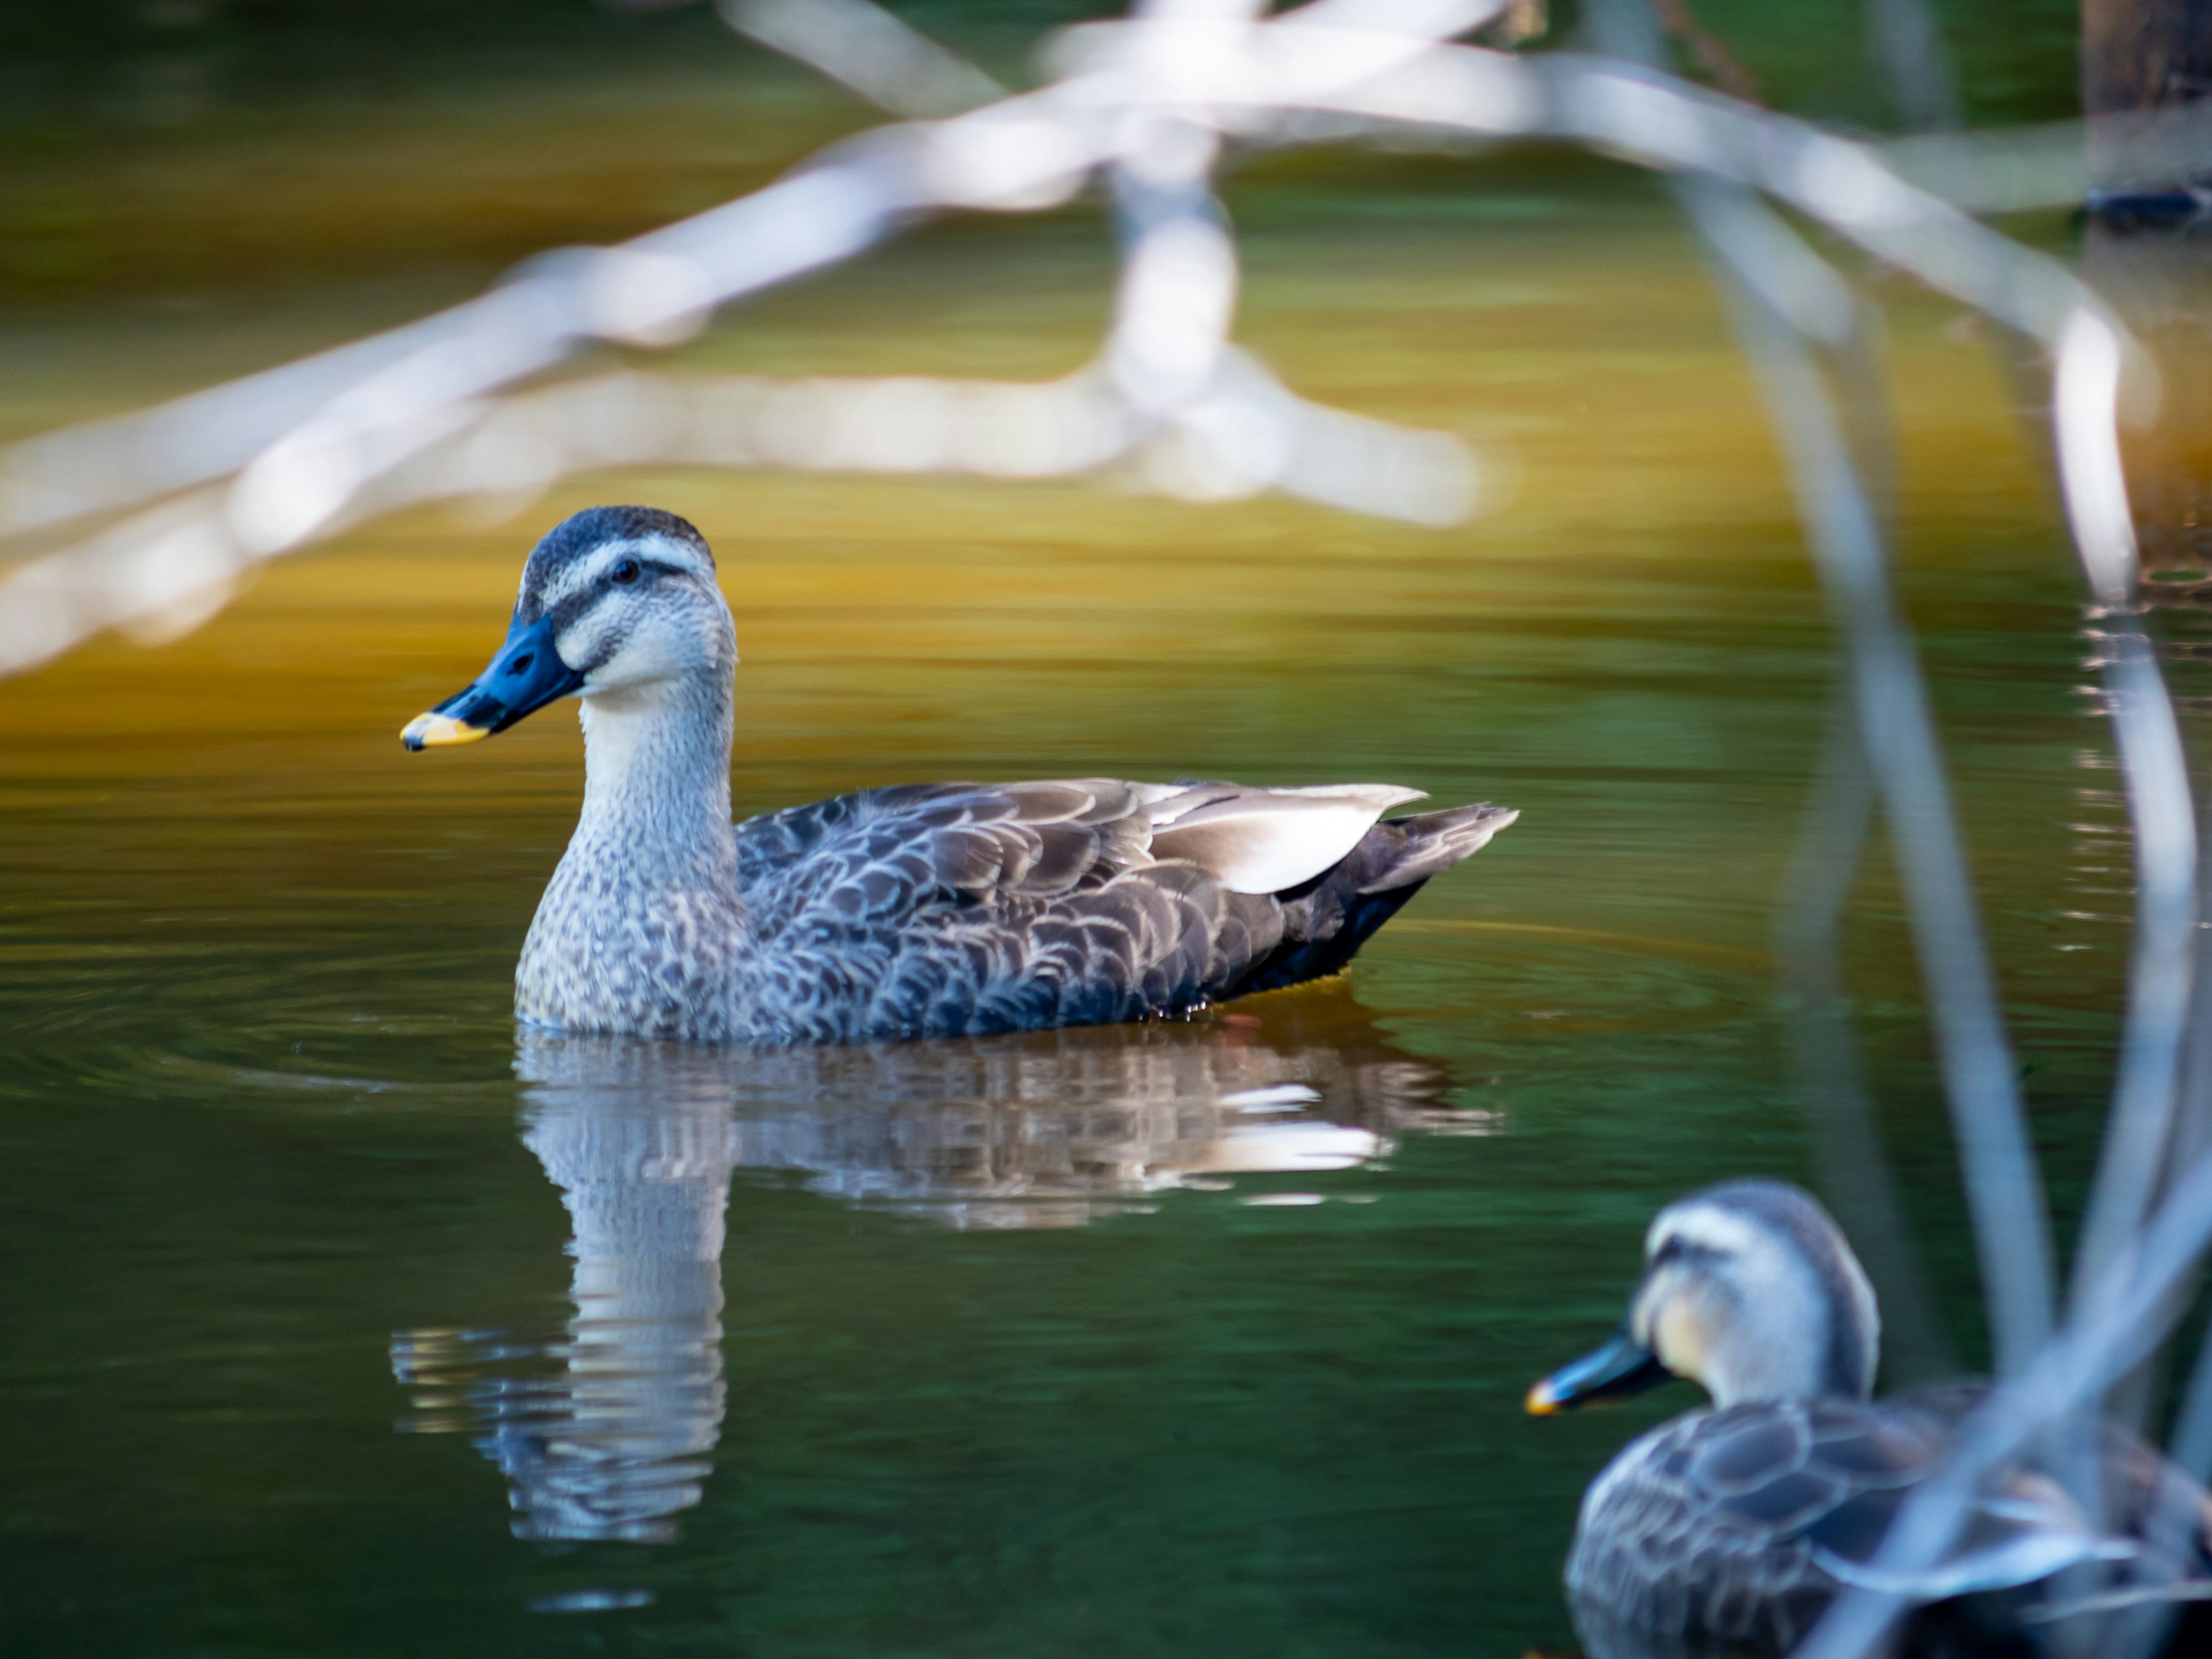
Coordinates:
1728 1531
944 910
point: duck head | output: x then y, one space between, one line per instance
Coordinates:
617 602
1749 1289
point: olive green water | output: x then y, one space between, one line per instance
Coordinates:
1181 1340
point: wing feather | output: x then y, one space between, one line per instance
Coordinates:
1265 841
962 908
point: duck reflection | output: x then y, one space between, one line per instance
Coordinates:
617 1438
607 1431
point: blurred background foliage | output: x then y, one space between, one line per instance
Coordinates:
75 59
156 146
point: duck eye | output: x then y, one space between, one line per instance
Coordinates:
625 572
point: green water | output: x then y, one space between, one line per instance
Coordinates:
1190 1340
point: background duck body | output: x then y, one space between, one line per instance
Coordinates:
1729 1533
1725 1533
915 911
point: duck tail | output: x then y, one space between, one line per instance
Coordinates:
1327 919
1412 849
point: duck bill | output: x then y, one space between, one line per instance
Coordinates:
526 675
1622 1367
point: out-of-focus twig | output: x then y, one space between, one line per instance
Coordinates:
1784 296
304 441
2128 1311
1709 52
2140 1129
2021 169
867 48
1825 1059
1909 44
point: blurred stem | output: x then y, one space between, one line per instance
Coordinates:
1830 1079
2004 1188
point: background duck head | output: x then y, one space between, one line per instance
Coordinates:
1750 1290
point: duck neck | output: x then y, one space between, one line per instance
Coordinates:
641 925
1802 1351
657 783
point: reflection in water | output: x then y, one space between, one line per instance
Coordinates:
607 1431
617 1438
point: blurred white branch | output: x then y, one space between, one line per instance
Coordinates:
2021 169
2127 1311
864 47
1149 101
1909 45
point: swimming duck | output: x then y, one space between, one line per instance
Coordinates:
1728 1531
921 910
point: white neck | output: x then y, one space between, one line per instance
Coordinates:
657 776
1781 1365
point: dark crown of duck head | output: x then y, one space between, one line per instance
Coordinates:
581 534
528 670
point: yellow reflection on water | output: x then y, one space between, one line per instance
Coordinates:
1549 310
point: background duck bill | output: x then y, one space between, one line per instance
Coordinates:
1622 1367
526 675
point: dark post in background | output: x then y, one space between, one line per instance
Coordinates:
2148 247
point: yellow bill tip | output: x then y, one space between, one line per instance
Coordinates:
433 731
1541 1402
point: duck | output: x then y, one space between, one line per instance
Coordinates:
1728 1530
901 912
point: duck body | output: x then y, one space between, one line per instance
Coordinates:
1726 1532
939 910
1729 1533
914 911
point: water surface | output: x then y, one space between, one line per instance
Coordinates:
343 1319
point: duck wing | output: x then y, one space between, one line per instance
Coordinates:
959 908
880 849
1046 836
1733 1529
1696 1538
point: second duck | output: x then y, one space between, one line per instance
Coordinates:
1726 1534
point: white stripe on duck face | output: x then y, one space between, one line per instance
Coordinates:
1706 1226
1747 1313
672 623
581 576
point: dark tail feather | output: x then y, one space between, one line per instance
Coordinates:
1327 919
1428 842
